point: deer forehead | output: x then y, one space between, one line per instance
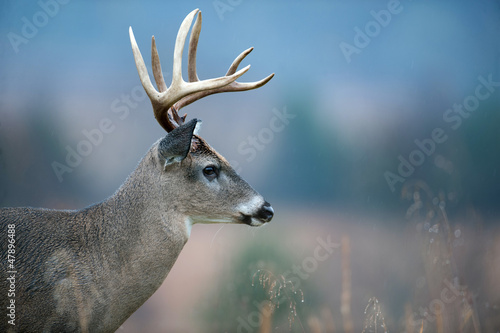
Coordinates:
201 151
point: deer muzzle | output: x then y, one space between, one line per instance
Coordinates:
259 216
265 213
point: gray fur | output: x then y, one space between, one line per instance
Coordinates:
88 270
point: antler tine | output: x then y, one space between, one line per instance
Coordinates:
167 101
141 66
193 46
179 88
237 86
193 77
155 62
178 83
242 86
237 61
233 86
179 47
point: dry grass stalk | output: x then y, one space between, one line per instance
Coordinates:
345 307
440 268
314 324
275 286
374 320
326 315
267 315
409 320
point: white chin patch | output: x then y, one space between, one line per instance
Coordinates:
244 213
207 220
256 223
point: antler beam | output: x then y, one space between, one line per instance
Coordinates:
168 100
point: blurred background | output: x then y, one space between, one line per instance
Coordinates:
376 143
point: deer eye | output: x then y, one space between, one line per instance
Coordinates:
211 172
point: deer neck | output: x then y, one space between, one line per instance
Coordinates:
141 234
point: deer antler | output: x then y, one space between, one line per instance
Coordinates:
167 101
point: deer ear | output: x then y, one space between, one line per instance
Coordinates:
175 146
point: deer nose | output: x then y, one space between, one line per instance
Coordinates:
266 212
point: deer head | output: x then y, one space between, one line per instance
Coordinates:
210 189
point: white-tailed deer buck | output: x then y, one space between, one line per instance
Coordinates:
88 270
